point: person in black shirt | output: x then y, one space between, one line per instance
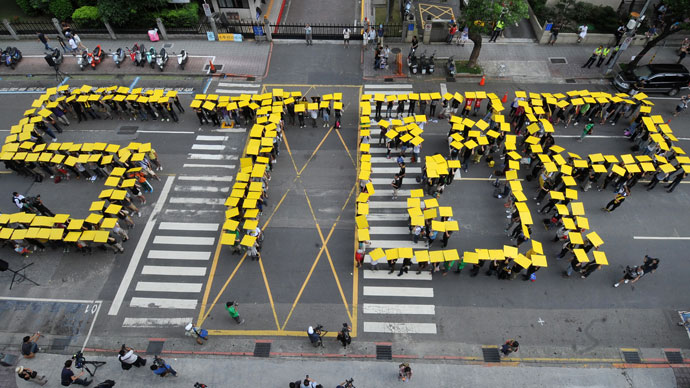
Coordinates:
397 183
650 264
68 378
29 346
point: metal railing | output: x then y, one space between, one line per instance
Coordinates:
34 26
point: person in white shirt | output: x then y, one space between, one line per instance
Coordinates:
128 357
346 37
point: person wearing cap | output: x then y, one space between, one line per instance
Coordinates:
29 346
30 375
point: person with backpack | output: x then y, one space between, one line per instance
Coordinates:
509 347
344 335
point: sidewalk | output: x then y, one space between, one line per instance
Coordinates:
278 372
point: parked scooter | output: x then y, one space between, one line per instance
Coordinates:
119 56
450 67
182 58
84 60
96 57
11 56
431 64
412 62
151 57
423 63
162 59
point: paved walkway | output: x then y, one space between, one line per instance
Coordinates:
261 372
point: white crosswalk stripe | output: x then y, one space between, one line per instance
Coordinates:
198 226
213 178
201 189
173 271
164 303
208 147
386 296
156 322
211 157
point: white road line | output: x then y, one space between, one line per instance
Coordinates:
375 149
156 322
407 309
195 165
205 178
168 287
389 230
389 192
237 91
387 181
179 255
386 92
396 244
406 292
387 204
139 249
184 240
201 189
659 238
368 260
211 138
49 300
197 226
399 327
197 201
387 86
211 157
394 170
208 147
383 159
375 275
239 85
164 303
168 132
173 271
230 130
386 217
191 212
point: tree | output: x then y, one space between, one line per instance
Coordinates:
676 18
481 15
121 12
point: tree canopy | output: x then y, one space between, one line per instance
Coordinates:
676 18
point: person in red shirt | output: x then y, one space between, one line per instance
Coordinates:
451 33
477 105
468 107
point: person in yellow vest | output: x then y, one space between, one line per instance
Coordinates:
497 31
593 58
604 53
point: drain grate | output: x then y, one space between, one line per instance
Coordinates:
450 79
155 347
674 357
251 78
632 357
388 79
558 60
60 343
218 67
262 349
570 80
491 354
682 377
127 130
384 352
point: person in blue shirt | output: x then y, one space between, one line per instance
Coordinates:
162 369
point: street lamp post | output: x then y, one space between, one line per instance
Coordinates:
628 37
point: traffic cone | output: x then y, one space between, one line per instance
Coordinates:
483 81
211 67
505 98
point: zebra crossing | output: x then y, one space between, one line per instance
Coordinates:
171 277
390 303
232 89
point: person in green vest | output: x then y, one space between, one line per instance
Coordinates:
587 130
595 55
613 54
604 53
497 30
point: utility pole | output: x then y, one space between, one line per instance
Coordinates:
627 39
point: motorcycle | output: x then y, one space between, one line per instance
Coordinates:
11 56
118 57
412 62
182 58
162 59
450 67
408 6
96 57
431 65
423 63
84 60
151 57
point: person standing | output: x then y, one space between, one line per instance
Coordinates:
30 375
128 358
68 378
379 34
604 53
307 34
451 33
232 310
620 31
649 265
397 183
73 48
682 105
676 180
77 40
554 34
43 39
618 200
344 335
509 346
497 31
593 57
346 36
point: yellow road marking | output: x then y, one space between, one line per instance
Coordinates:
287 147
355 269
268 291
209 281
316 150
268 10
286 333
202 318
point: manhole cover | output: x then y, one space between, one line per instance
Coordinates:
262 349
632 357
384 352
60 343
127 130
218 67
450 79
491 354
155 347
558 60
569 80
168 45
674 357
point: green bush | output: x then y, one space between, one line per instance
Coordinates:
187 16
87 16
28 8
571 14
61 9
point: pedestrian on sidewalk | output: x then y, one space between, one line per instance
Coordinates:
379 34
344 335
80 45
604 53
593 57
451 33
555 29
618 200
29 345
404 371
43 39
346 37
682 53
682 105
68 378
631 274
161 368
128 358
232 310
509 347
581 33
497 30
30 375
73 48
307 34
